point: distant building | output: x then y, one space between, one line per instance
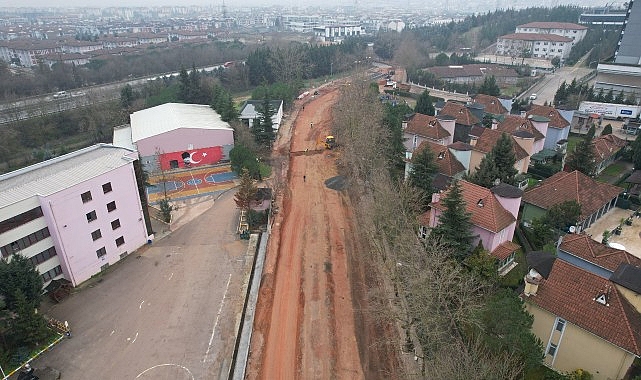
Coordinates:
336 33
564 29
250 112
474 73
74 215
548 46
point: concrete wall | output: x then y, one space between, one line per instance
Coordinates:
577 348
72 232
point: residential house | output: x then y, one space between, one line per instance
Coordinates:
418 127
537 127
606 150
491 104
336 33
558 127
27 53
493 214
548 46
464 120
596 198
583 251
583 319
250 111
448 166
484 142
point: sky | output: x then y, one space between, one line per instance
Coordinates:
489 4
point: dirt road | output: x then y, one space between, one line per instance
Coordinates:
305 323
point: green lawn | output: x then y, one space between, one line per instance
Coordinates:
572 140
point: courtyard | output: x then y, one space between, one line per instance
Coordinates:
630 237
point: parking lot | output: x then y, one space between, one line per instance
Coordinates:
168 311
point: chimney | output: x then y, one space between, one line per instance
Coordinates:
403 124
495 123
523 113
436 197
532 281
473 141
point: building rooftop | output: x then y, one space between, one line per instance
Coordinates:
171 116
49 177
553 25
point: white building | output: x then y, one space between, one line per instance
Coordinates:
337 33
545 46
250 112
565 29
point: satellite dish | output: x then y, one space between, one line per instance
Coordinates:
572 229
497 181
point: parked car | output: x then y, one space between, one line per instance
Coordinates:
60 94
533 97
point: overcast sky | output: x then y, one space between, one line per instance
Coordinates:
489 4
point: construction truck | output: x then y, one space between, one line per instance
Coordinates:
330 142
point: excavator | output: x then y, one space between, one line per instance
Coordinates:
330 142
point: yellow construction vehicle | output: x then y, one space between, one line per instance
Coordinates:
330 142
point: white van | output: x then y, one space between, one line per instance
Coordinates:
60 94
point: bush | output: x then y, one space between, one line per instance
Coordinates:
257 219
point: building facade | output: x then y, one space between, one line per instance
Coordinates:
73 215
547 46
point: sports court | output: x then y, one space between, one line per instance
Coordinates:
182 184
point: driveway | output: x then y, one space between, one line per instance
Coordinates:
168 311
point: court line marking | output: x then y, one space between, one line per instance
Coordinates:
140 306
136 337
195 183
166 365
220 309
170 276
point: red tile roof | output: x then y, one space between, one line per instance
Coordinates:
445 161
564 186
607 146
486 211
570 293
426 126
504 250
586 248
556 120
492 104
536 37
488 140
458 111
513 123
553 25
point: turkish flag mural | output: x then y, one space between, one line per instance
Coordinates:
191 158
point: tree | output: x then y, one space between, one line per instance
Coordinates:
583 158
607 130
166 209
421 174
19 274
504 159
486 173
246 191
556 62
266 127
28 327
126 96
506 327
563 215
244 159
636 152
591 132
482 263
425 104
489 87
454 228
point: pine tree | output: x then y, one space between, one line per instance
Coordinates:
489 87
620 99
425 104
504 159
583 159
454 228
591 132
28 328
607 130
246 191
421 174
266 122
486 173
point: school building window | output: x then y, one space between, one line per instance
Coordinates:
120 241
106 188
50 275
24 242
96 235
115 224
20 219
101 252
111 206
43 256
86 196
91 216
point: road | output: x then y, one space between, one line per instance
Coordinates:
547 87
168 311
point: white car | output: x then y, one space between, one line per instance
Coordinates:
60 94
533 97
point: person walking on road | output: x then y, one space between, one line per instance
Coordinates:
311 125
304 178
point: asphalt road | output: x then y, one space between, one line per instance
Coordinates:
168 311
547 87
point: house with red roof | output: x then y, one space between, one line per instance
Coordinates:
583 320
418 128
558 127
607 148
493 214
447 164
596 198
522 145
464 119
491 104
583 251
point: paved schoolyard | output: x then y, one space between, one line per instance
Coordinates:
168 311
183 184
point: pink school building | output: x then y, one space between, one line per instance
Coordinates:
73 215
